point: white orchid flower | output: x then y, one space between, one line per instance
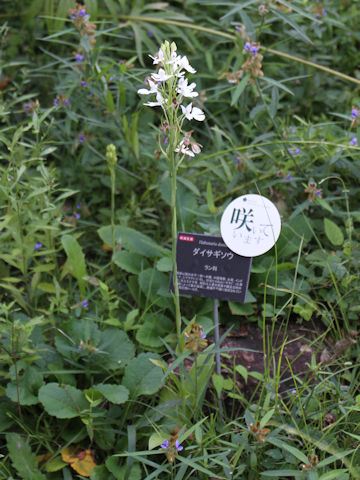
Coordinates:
152 85
159 101
158 58
182 148
184 63
190 112
161 76
185 89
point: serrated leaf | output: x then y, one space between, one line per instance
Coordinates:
62 401
22 458
333 232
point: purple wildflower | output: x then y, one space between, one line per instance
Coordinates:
288 176
247 46
293 130
73 15
149 32
81 138
37 246
85 303
178 446
66 102
91 94
77 215
56 102
165 444
353 141
79 205
27 107
254 50
294 391
80 346
82 12
79 57
202 334
83 83
354 112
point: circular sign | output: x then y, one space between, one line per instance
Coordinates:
250 225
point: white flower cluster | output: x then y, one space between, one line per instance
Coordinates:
170 88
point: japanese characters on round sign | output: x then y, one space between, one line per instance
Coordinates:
250 225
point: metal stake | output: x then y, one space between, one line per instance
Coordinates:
217 354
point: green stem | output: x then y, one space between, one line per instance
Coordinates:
112 177
173 168
234 39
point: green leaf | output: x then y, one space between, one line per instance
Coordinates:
114 393
218 382
28 381
164 264
22 458
130 262
239 89
154 328
283 473
119 472
62 401
210 198
333 232
294 451
110 102
77 260
143 377
115 347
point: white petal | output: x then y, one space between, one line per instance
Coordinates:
198 114
144 91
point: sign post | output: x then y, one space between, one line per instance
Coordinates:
219 267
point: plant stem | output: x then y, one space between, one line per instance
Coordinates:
173 168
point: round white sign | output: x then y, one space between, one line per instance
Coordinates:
250 225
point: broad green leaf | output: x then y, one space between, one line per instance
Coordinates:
333 232
128 261
143 377
285 446
114 393
22 458
118 469
62 401
28 383
77 260
164 264
153 330
218 382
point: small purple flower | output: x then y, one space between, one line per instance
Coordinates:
294 391
79 57
111 78
294 152
27 107
318 192
247 46
202 334
80 346
178 446
149 32
354 112
66 102
85 303
288 176
237 28
73 15
324 12
83 83
79 205
293 130
90 94
254 50
77 215
249 428
81 138
353 141
37 246
165 444
82 12
186 335
56 102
